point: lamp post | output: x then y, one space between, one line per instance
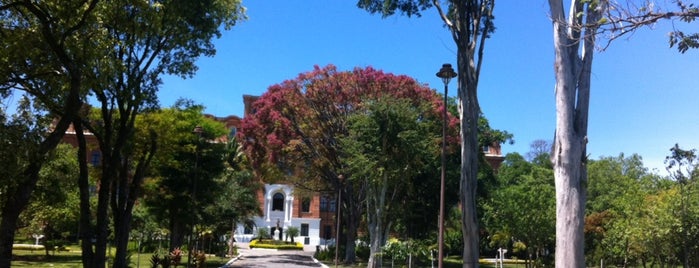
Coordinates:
339 217
446 73
198 131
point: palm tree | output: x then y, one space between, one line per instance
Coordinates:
262 233
292 232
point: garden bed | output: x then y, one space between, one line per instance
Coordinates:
275 244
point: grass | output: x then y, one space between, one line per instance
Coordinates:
72 259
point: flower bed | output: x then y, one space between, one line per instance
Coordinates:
275 244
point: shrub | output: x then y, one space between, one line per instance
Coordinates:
154 260
362 251
326 254
200 260
164 262
263 233
176 257
274 244
292 232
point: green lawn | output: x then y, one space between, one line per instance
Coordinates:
71 259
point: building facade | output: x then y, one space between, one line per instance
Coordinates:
313 214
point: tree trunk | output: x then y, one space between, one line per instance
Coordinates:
11 210
470 111
121 239
102 224
470 26
86 228
376 203
177 232
352 215
572 92
16 204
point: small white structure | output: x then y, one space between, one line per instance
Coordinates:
37 237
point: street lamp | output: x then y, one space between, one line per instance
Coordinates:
339 217
446 73
198 131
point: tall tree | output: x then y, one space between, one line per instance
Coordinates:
574 45
297 126
178 187
683 167
522 209
614 211
471 23
44 57
140 41
390 142
53 210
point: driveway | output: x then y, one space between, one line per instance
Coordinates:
260 258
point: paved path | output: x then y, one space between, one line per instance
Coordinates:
261 258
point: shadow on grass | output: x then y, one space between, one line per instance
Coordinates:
45 258
73 259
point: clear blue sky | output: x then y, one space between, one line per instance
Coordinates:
645 95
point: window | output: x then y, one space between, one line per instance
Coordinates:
233 131
306 205
95 158
278 202
304 229
328 232
332 206
486 149
327 204
323 204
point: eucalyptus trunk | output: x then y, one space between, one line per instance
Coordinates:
377 222
374 223
572 92
470 27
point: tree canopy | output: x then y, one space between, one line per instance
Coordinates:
294 134
470 23
116 51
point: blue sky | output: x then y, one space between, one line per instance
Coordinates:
644 94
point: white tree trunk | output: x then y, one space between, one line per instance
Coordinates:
376 201
572 93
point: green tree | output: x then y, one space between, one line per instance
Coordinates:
471 23
291 232
235 199
298 124
180 188
117 50
613 211
54 209
139 42
514 214
390 141
683 167
45 58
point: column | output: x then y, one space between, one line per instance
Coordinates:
268 206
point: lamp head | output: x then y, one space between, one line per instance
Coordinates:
446 73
